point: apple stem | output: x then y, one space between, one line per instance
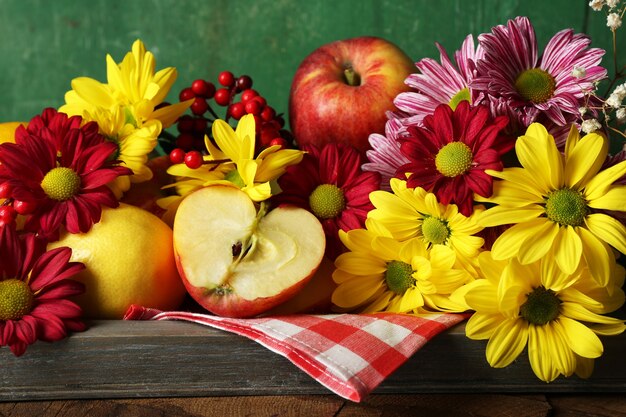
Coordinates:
352 77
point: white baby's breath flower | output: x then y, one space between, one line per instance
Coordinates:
613 21
582 110
596 5
613 101
579 72
620 114
620 91
612 4
590 125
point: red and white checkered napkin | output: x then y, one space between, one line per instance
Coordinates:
350 354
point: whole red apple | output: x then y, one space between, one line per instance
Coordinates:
342 90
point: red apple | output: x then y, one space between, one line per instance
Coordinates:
237 262
342 90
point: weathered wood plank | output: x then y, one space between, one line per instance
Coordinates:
117 359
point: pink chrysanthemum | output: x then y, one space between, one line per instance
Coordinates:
330 184
385 156
450 153
61 170
34 291
512 72
439 83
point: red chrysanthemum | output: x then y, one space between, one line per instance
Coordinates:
329 183
450 153
60 169
34 287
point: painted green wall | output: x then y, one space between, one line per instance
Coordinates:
44 44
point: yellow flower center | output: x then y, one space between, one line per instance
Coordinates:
327 201
454 159
535 85
463 95
566 207
541 306
399 276
435 230
61 183
16 299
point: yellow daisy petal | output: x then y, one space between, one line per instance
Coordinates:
500 215
353 293
167 115
613 199
481 296
411 300
584 367
165 79
511 240
539 356
360 264
246 129
578 312
380 303
608 229
93 91
581 339
597 186
507 342
259 192
482 326
562 356
568 249
543 238
597 256
537 153
274 164
227 140
585 160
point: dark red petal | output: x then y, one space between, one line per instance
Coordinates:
329 164
51 328
26 329
18 348
74 325
63 309
53 266
63 289
480 183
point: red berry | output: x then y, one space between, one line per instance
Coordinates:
24 207
248 95
199 125
199 106
177 156
267 135
280 120
253 107
260 100
193 159
244 82
278 141
185 124
186 94
226 78
184 141
7 214
5 190
200 87
268 114
237 110
222 97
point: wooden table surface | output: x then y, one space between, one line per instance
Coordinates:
444 405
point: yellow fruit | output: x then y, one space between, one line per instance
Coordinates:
129 259
7 131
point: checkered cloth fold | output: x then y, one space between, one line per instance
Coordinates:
350 354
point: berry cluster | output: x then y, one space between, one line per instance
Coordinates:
10 208
238 97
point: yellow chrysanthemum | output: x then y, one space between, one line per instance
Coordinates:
556 315
233 163
134 144
382 274
555 203
409 213
125 108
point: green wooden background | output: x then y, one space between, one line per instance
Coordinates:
44 44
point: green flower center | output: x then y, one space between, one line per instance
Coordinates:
234 177
463 95
435 230
541 306
454 159
535 85
566 207
327 201
399 276
61 183
16 299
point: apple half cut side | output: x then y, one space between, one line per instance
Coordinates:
237 262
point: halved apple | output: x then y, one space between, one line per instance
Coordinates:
236 261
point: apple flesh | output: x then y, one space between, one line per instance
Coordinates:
342 91
237 262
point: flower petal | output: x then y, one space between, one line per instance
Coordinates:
610 230
507 342
581 339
